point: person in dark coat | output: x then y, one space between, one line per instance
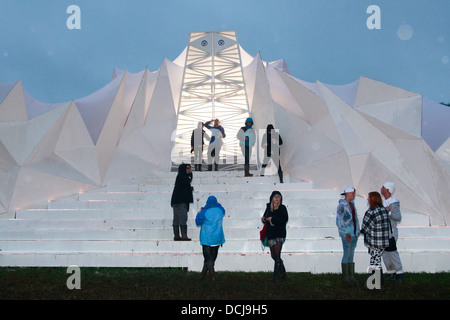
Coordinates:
181 198
271 143
276 217
197 142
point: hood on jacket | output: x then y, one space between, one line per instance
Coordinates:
274 193
211 202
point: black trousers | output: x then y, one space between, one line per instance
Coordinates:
210 255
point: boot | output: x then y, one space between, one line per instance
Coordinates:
283 273
176 232
276 271
351 272
280 174
209 167
216 167
247 170
345 268
199 167
212 272
204 270
263 168
399 278
184 236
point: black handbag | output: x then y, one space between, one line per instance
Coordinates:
392 242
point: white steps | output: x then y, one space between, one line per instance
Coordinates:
130 225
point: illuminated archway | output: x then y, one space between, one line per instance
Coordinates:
213 87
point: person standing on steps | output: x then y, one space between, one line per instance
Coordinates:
197 142
271 143
211 234
181 198
348 228
392 259
247 137
215 144
276 218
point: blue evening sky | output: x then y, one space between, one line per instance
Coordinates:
326 40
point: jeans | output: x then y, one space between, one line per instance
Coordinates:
349 249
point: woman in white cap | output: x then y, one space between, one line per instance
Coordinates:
391 259
348 227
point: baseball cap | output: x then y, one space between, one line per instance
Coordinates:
348 190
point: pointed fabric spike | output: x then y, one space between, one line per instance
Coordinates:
138 112
404 114
162 105
374 92
13 107
175 73
112 130
249 73
338 109
389 130
65 140
312 107
262 114
76 148
94 108
35 187
22 137
346 92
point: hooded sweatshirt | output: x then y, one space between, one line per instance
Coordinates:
210 219
247 131
182 191
346 222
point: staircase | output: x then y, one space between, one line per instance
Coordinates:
130 225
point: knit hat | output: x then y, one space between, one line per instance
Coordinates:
390 186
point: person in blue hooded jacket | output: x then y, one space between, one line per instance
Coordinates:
211 234
247 137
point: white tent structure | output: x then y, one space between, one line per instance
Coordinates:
361 134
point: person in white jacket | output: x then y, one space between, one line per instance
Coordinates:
392 259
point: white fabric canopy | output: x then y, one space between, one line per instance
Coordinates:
362 134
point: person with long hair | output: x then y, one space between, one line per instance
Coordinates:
276 218
375 227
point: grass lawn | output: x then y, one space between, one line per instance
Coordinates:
18 283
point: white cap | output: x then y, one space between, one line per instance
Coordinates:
390 186
348 190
